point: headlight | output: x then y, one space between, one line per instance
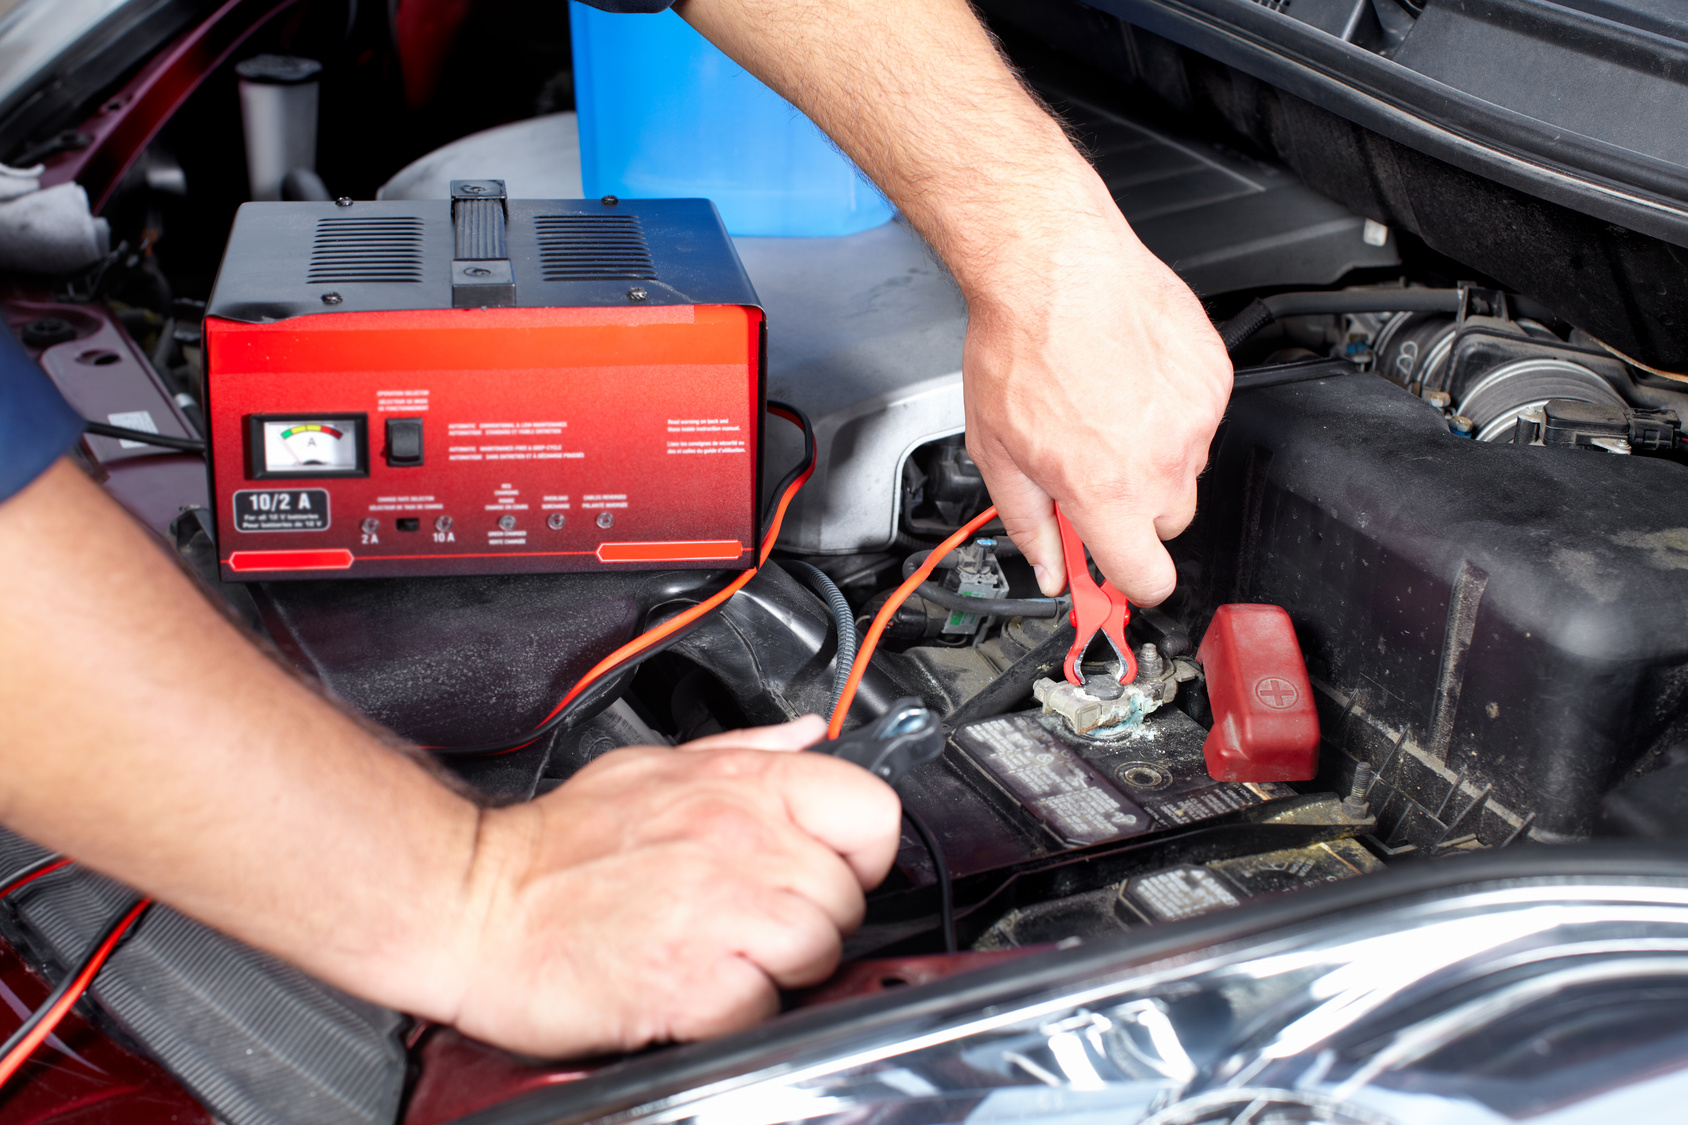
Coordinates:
1562 1000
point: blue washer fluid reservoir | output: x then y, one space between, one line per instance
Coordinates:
665 114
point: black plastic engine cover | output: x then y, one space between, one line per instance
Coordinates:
1500 631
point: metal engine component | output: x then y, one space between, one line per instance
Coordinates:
1493 370
1495 402
1487 369
1412 348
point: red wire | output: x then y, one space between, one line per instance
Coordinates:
889 610
681 620
56 1014
25 880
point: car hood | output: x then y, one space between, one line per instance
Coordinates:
1573 102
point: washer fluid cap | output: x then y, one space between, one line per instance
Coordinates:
1265 727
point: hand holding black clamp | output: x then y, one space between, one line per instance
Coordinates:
907 735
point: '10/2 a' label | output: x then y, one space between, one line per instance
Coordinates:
281 509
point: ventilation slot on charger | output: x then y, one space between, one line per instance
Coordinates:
388 248
593 248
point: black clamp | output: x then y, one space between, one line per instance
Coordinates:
907 735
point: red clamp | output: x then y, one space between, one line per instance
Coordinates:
1096 609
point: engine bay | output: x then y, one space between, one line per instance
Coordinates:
1471 510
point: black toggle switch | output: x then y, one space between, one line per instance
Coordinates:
404 442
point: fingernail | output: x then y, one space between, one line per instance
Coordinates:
1042 576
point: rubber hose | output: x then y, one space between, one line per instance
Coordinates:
1235 331
991 607
845 619
1260 312
1317 302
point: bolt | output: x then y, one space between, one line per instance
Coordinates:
1462 424
1148 663
507 522
637 293
442 523
343 201
1354 805
370 525
1441 400
332 298
555 521
609 201
605 520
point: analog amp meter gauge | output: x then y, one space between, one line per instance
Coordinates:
315 447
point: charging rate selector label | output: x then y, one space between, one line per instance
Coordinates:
281 509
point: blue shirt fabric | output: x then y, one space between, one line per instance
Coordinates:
37 426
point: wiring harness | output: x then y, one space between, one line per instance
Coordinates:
42 1022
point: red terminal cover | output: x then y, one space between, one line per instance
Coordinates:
1265 727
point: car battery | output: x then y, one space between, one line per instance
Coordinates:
482 385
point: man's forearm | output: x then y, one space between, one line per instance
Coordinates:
660 893
919 97
142 734
1093 379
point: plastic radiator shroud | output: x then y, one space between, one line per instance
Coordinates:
1500 631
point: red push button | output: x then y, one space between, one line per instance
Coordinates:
1265 727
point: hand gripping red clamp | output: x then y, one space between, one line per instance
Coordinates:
1096 609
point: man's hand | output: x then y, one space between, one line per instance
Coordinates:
1097 387
1092 376
665 894
660 893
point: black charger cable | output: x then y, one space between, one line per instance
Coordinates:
124 433
940 864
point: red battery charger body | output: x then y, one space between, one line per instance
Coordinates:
482 386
